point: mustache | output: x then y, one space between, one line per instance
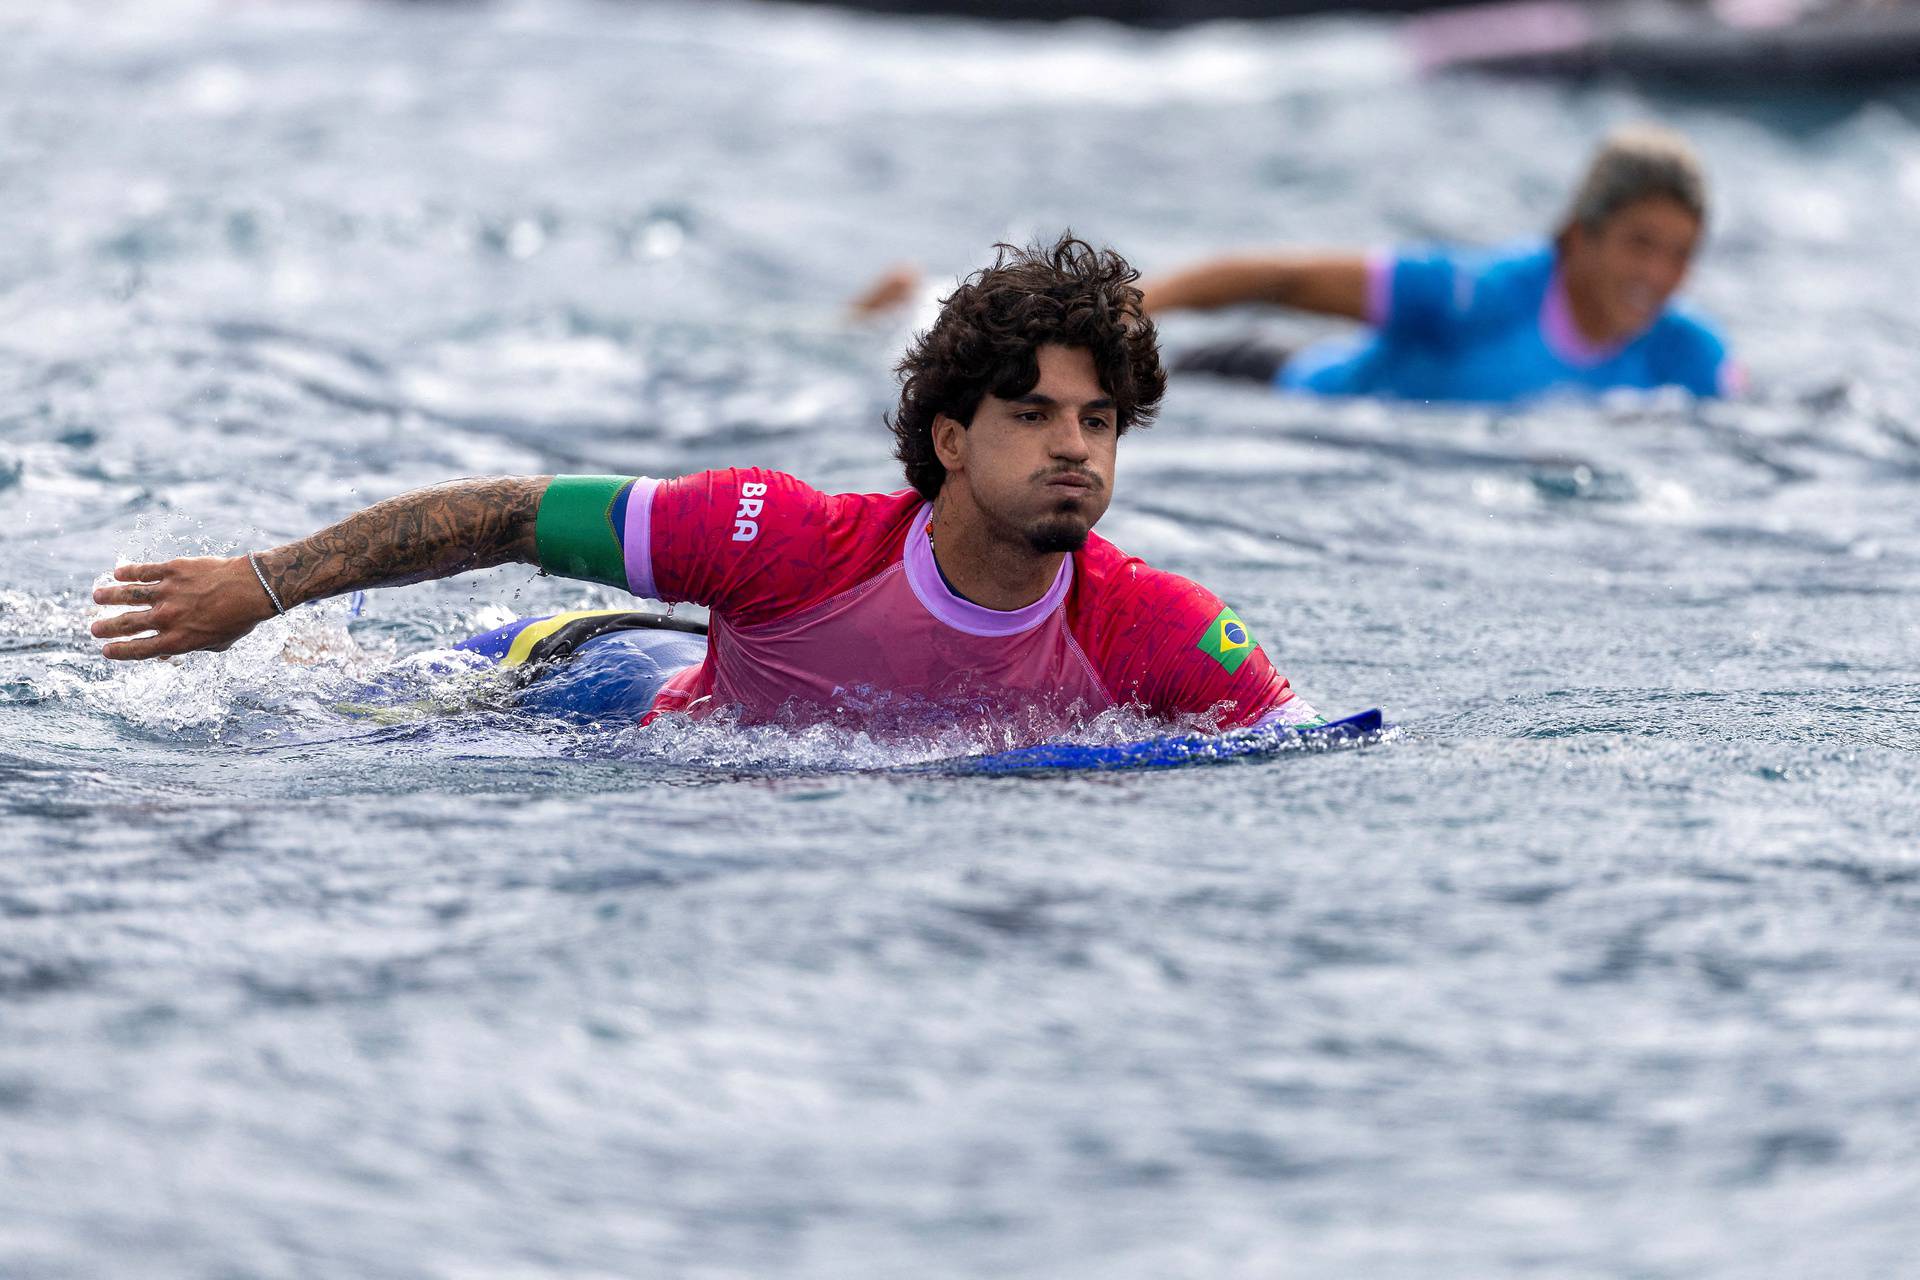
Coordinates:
1057 473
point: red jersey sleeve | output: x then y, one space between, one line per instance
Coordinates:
754 545
1169 645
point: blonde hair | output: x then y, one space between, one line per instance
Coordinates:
1633 164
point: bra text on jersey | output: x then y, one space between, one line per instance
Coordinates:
753 498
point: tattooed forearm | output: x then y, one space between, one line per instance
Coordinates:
428 533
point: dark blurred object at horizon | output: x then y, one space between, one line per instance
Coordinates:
1726 44
1137 13
1705 44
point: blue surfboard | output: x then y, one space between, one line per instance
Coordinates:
1172 751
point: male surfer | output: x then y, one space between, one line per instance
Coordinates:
1586 312
979 594
1589 311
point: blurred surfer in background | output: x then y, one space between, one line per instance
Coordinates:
979 593
1589 311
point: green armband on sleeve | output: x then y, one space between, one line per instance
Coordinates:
579 531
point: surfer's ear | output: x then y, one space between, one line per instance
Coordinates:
949 441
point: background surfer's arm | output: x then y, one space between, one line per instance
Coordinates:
894 289
208 602
1334 284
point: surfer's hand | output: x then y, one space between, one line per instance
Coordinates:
203 602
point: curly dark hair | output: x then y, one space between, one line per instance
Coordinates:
990 331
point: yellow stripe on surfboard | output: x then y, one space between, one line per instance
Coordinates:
534 632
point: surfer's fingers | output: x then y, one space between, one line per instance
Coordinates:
144 572
138 593
134 650
131 623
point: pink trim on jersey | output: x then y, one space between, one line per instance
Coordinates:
638 545
1563 336
1380 287
923 575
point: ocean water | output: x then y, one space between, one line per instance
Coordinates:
1607 966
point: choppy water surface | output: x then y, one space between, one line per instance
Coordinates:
1609 966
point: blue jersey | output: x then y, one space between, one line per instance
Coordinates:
1494 327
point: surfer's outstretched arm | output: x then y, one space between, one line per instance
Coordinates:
208 602
1333 284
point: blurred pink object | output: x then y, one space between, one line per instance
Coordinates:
1498 30
1756 15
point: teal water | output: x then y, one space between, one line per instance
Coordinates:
1608 966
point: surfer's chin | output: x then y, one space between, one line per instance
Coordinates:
1051 537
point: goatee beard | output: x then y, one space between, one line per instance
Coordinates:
1053 537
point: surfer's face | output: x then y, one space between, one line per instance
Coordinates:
1630 266
1039 466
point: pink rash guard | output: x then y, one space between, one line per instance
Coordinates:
830 607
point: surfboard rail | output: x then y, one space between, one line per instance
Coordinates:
1170 751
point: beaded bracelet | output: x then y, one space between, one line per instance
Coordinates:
265 585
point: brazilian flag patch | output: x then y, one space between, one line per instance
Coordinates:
1227 641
